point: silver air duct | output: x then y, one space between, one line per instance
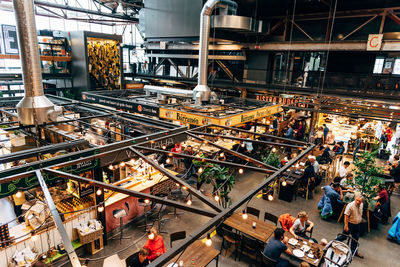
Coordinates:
202 92
35 107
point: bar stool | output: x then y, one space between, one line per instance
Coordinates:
147 213
120 213
176 195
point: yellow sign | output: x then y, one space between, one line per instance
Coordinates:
236 119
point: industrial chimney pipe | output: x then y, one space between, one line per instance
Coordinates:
202 92
35 107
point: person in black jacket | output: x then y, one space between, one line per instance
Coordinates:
308 174
139 260
395 171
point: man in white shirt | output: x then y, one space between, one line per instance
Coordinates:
343 170
352 219
314 163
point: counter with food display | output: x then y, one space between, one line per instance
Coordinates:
141 178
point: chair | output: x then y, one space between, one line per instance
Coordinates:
270 217
176 236
310 232
253 211
250 245
231 238
175 195
267 261
130 258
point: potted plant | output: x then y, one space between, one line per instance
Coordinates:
367 175
222 180
271 158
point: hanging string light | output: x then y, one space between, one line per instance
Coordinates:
122 164
100 208
111 167
244 215
200 170
18 194
99 192
216 197
188 202
208 240
241 171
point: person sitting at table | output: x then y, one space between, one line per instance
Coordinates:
139 260
325 158
176 149
307 175
395 171
304 264
154 245
331 202
382 196
275 246
339 149
302 225
382 208
344 169
346 182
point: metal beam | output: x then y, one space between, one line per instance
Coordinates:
359 27
387 45
237 154
197 234
73 258
176 67
260 134
86 11
303 31
35 152
186 56
195 192
247 140
132 193
226 70
224 163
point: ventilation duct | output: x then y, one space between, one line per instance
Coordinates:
35 107
202 92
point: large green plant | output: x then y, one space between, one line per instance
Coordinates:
221 179
271 158
366 175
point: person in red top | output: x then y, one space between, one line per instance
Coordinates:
176 149
389 133
154 245
382 196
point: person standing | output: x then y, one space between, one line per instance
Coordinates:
357 144
189 166
176 149
289 132
352 219
326 131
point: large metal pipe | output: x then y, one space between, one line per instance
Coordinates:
34 108
202 92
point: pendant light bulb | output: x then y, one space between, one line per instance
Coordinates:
244 215
208 241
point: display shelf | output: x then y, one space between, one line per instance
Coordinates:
76 244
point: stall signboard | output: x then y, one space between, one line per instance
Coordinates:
10 188
125 105
295 102
236 119
9 43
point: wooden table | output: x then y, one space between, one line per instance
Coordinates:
262 231
314 261
199 253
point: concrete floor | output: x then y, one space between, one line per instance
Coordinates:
378 251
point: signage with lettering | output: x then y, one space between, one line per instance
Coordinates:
10 39
124 105
374 42
233 120
10 188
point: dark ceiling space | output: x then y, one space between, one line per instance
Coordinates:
272 8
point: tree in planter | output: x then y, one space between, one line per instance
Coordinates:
366 179
222 181
271 158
